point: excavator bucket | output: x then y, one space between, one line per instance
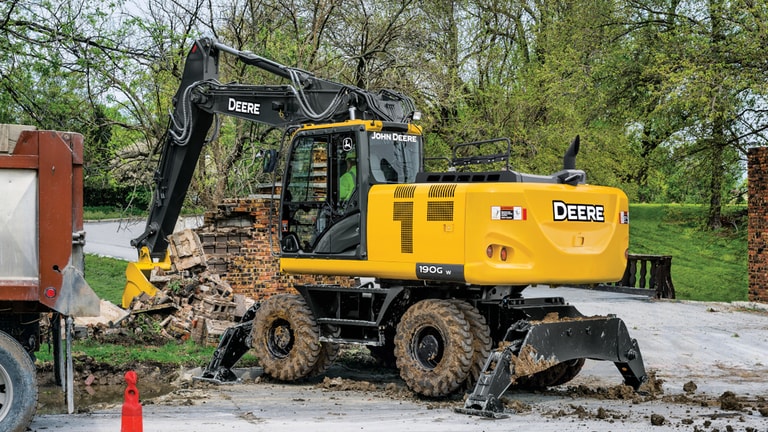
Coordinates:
531 347
137 276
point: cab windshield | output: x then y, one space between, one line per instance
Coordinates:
394 156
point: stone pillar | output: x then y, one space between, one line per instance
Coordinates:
758 223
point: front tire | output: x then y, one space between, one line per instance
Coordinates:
18 386
286 337
433 348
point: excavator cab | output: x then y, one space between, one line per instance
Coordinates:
328 173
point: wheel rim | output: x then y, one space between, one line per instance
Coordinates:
428 347
280 339
6 393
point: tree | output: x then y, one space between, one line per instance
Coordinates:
706 98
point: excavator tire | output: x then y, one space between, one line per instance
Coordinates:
433 347
558 374
481 339
286 337
328 353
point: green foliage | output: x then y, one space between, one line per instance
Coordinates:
707 265
665 95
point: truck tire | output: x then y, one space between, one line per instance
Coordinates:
286 338
481 339
433 347
18 386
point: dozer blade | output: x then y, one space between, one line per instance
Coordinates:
533 347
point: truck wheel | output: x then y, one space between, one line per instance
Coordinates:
481 339
285 337
433 347
18 386
328 353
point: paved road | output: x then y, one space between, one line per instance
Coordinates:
719 347
112 238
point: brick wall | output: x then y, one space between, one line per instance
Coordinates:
758 223
236 241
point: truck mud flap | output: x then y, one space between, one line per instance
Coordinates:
534 346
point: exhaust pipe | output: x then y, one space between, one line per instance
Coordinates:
569 159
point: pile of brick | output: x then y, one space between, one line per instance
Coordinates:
199 308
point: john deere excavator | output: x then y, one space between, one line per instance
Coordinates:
447 255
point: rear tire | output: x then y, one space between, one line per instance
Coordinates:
328 353
433 348
286 338
481 339
18 386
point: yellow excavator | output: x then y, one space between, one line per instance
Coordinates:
445 255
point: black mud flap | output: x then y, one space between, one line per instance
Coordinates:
535 346
234 343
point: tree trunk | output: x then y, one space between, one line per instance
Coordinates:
716 179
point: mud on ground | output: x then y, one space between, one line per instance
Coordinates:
101 386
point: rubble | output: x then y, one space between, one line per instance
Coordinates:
192 303
219 271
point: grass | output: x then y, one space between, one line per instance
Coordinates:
106 276
105 212
187 354
707 265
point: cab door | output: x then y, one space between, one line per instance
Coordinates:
315 217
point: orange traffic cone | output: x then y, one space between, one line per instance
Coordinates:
132 421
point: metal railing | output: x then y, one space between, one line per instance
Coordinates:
649 275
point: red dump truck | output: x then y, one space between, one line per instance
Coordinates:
41 261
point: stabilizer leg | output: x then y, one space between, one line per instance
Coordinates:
234 343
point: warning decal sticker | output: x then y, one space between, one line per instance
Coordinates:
509 213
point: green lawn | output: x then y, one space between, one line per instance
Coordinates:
706 265
106 276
